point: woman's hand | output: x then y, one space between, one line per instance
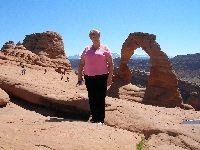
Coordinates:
80 82
109 80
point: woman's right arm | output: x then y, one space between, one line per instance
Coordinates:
80 69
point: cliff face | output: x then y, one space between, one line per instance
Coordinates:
187 67
185 62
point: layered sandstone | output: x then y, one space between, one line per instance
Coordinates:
49 44
43 49
162 87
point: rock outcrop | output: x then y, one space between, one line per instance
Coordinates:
46 89
43 49
162 87
49 58
191 61
49 44
18 53
4 99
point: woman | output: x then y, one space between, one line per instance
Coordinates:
97 64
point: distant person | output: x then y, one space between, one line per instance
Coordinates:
97 63
23 68
67 79
45 71
21 64
61 76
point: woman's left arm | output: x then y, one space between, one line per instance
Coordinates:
110 69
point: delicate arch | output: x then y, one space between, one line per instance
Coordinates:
162 87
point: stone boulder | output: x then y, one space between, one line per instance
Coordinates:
49 44
4 99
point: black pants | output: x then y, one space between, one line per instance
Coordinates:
96 87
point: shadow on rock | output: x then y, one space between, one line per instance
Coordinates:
1 106
56 116
113 91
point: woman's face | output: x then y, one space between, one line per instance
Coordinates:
95 38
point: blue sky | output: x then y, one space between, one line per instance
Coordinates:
176 23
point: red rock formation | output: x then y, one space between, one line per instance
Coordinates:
162 87
8 45
44 49
48 43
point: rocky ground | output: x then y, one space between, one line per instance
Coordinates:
30 126
25 127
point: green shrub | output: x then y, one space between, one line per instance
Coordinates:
141 144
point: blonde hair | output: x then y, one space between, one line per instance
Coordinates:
92 32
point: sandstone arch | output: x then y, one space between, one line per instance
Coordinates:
162 87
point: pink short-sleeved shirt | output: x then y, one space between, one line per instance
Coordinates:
95 61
